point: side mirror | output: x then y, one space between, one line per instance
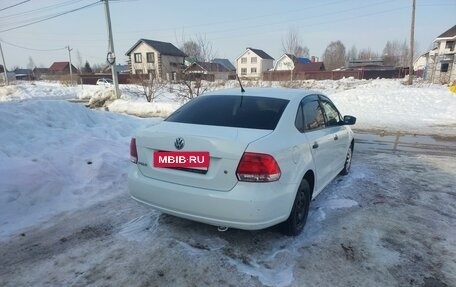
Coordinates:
349 120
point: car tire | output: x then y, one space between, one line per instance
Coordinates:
298 216
348 161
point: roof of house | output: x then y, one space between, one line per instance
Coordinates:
304 60
60 66
309 67
209 67
262 54
23 71
40 70
225 62
164 48
448 33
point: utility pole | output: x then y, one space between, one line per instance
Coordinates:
111 57
71 65
4 65
412 42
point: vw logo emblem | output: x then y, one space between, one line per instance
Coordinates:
179 143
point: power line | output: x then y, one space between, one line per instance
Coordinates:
51 17
50 7
15 5
32 49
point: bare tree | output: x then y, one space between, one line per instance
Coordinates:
190 86
207 52
192 49
352 54
396 53
200 48
31 64
334 55
148 85
367 54
78 60
292 44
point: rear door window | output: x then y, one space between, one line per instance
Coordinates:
231 111
313 115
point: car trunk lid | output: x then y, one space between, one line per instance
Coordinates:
225 145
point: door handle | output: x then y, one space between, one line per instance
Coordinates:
336 137
315 145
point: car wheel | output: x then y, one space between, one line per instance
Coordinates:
348 161
298 216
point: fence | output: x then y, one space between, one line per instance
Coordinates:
334 75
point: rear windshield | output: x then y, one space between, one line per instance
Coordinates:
231 111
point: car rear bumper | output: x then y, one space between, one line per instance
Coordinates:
247 206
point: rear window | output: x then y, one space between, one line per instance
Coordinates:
231 111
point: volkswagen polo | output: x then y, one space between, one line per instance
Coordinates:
259 157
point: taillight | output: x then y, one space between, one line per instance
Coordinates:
257 167
133 151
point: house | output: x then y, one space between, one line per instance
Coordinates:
226 63
441 67
253 62
120 69
309 67
160 59
24 74
209 71
62 68
38 72
288 62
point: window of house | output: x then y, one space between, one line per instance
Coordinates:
253 70
444 68
243 60
150 57
138 71
138 58
243 71
253 60
449 45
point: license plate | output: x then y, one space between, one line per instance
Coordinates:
182 159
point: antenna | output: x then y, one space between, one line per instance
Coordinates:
240 84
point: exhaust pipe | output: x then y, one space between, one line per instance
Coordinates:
222 228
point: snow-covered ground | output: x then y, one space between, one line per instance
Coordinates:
66 219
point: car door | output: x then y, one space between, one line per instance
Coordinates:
335 127
319 139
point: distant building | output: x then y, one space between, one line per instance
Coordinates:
210 71
253 62
62 68
226 63
24 74
441 60
161 59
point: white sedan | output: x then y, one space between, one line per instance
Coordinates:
246 160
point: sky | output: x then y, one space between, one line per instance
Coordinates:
229 26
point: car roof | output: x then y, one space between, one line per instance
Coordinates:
279 93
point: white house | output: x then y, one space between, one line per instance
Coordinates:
285 63
441 67
161 59
252 63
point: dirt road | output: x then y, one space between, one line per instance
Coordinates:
391 222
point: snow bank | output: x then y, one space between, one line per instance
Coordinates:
57 156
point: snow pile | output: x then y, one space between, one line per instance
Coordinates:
391 106
57 156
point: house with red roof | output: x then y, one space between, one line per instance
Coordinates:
62 68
